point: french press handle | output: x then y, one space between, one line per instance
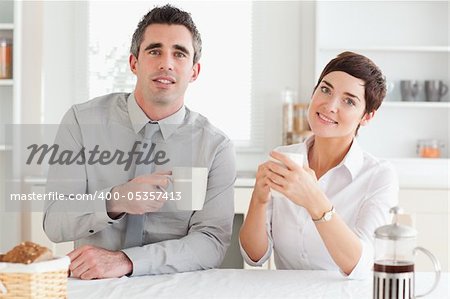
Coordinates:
437 269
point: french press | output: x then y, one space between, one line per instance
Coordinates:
393 271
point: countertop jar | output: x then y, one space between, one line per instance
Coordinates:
429 148
5 58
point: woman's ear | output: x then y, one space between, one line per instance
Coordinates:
366 118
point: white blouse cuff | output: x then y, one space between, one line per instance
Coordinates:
262 260
363 268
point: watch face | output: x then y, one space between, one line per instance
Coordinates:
327 216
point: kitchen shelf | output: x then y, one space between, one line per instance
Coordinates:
35 180
6 82
411 45
416 104
4 147
442 49
6 26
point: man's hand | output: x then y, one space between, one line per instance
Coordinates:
89 262
134 196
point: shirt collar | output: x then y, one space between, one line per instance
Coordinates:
139 119
353 160
171 123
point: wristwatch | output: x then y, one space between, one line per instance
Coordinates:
326 216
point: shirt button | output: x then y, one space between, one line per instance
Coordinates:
91 231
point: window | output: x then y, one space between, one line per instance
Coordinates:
223 91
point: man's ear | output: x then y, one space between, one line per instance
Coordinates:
366 118
195 72
132 60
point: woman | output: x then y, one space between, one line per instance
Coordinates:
330 207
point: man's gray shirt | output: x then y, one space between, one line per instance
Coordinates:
173 241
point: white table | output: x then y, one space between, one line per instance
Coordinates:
234 283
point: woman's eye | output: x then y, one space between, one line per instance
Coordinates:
349 102
325 89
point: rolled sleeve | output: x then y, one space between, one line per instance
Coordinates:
262 260
364 266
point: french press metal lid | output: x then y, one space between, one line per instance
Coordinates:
395 231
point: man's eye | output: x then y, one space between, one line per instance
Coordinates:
153 52
180 55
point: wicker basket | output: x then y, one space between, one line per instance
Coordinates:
41 280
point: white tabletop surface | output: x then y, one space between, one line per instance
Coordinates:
234 283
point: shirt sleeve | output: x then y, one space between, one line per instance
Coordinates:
69 219
381 195
209 231
268 252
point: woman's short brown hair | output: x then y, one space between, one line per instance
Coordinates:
362 68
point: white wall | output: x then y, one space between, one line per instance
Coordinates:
64 56
284 47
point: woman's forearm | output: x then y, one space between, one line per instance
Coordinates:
341 242
253 235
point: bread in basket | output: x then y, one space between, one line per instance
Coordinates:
30 271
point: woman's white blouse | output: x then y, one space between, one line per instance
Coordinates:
361 188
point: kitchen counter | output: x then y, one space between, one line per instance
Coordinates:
423 173
236 283
413 173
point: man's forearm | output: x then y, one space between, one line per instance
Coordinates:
196 251
69 220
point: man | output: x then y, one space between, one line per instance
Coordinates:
165 51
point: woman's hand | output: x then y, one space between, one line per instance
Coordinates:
261 191
299 184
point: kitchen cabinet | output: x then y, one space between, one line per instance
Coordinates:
32 221
409 40
6 85
430 213
10 222
242 196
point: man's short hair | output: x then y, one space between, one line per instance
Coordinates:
169 15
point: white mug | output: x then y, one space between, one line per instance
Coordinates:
189 187
295 157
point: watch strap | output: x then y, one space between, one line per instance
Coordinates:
327 216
